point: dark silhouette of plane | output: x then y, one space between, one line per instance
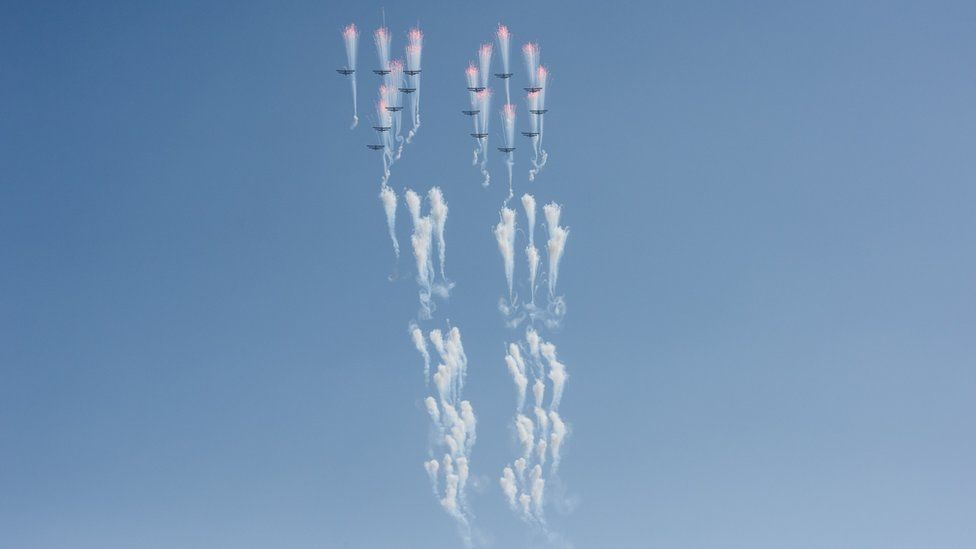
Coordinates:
540 111
506 149
479 135
530 134
382 128
470 113
376 147
503 74
476 89
345 72
407 90
412 73
394 109
530 90
381 72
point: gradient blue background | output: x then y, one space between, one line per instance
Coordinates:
771 275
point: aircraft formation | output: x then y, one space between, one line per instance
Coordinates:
530 359
479 98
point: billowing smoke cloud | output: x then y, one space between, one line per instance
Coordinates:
505 235
415 44
456 431
537 439
504 39
350 35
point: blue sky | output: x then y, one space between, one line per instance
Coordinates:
770 275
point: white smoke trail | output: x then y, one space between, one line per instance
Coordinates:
505 235
557 374
530 52
471 76
385 120
556 244
516 367
388 197
484 64
508 123
394 81
415 44
504 39
350 36
413 205
456 431
421 345
438 214
484 107
531 252
542 82
421 250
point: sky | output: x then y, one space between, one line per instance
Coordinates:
771 308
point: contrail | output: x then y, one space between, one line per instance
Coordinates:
457 431
556 244
505 235
504 39
508 124
415 44
350 36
